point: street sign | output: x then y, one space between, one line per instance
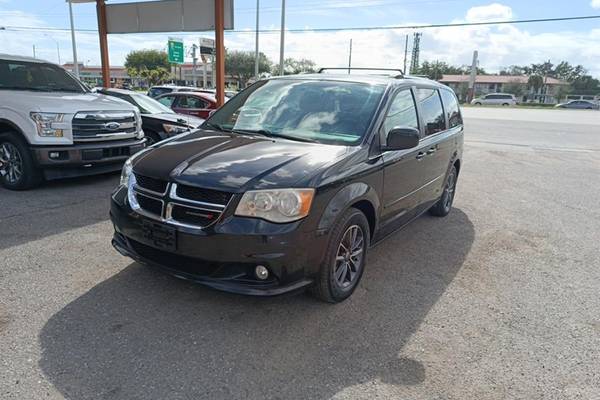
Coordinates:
207 46
176 52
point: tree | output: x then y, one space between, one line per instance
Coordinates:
292 66
240 65
437 69
152 65
536 82
514 87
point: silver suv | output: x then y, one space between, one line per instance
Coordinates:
497 99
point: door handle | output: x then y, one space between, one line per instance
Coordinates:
421 155
431 150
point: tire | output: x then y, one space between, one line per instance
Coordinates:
444 204
505 104
329 287
18 170
477 104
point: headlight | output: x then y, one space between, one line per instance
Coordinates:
281 205
174 129
126 172
49 124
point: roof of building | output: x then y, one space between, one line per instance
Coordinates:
490 79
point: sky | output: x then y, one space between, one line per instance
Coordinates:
499 46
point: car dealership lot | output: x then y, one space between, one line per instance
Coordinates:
499 300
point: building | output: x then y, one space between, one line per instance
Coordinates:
183 75
552 92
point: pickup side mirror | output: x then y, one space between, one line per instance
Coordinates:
402 138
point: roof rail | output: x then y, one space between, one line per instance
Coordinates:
397 70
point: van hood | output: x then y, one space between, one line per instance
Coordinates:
67 103
236 163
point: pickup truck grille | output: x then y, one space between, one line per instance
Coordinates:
105 125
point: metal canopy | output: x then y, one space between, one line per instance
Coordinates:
166 16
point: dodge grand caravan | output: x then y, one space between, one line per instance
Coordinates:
288 184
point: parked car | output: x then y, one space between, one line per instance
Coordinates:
288 184
498 99
158 121
191 103
53 126
156 91
579 105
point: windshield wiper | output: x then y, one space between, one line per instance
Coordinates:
268 133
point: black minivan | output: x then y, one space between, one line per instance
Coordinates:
288 184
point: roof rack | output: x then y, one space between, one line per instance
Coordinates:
397 70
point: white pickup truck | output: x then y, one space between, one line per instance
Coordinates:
52 126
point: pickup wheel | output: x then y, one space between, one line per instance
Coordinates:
17 168
444 204
345 257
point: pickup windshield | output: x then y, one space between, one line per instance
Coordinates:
38 77
327 111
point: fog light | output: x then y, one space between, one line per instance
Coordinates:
261 272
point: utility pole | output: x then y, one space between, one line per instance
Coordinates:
282 44
472 78
73 44
34 51
256 42
404 71
194 62
350 57
103 36
219 70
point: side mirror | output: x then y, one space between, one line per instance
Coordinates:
402 138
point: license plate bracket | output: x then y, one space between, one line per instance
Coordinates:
158 235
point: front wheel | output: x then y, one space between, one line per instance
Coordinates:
345 258
17 169
444 204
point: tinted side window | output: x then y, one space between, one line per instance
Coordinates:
402 112
451 107
191 102
167 100
431 109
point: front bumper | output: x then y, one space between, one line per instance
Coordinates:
85 159
223 258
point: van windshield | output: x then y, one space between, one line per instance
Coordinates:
323 111
39 77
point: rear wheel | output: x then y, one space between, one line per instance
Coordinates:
444 204
17 169
478 104
505 105
345 258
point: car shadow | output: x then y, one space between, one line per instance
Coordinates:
145 335
53 208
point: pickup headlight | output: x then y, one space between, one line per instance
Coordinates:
279 205
126 172
174 129
49 124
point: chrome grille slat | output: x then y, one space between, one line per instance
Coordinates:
88 126
175 210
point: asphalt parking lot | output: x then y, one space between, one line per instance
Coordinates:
499 300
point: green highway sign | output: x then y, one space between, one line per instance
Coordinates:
176 51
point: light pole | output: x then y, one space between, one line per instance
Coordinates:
73 44
256 44
282 44
57 47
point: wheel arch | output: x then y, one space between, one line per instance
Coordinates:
358 195
7 126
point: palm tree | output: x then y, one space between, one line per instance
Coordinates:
536 82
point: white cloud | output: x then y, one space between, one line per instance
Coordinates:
595 4
491 12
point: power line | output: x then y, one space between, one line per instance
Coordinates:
365 28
